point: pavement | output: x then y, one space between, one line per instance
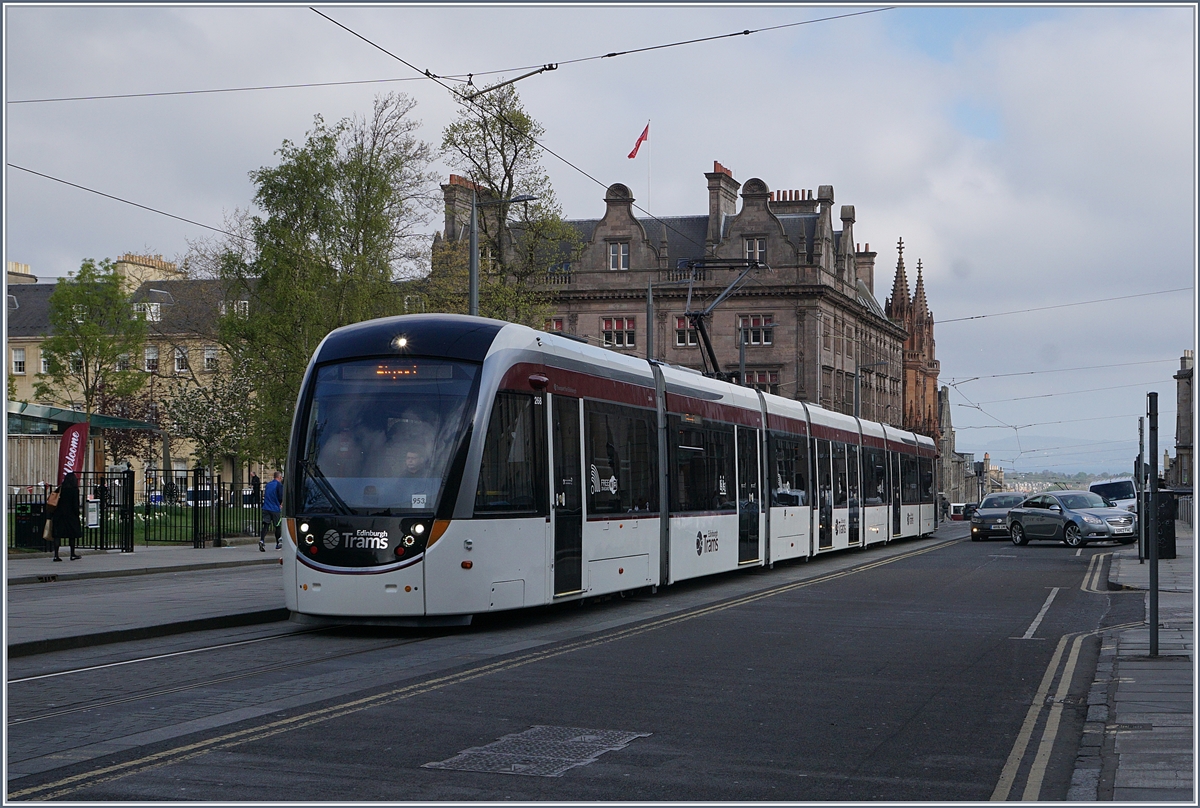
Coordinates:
1138 738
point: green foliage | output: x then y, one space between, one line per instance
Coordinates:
492 143
95 341
342 220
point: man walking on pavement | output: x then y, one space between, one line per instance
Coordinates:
271 507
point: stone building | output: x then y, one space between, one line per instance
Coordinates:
955 470
180 317
1180 474
809 312
920 362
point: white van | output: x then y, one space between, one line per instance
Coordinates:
1119 491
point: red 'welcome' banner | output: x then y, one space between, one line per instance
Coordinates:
71 450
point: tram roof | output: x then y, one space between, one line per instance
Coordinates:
453 336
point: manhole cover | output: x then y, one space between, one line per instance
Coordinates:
539 751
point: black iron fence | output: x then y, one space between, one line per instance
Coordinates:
115 513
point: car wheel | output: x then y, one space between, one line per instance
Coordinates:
1017 533
974 536
1073 536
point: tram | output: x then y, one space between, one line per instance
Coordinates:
442 466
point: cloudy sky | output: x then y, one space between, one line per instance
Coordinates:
1029 156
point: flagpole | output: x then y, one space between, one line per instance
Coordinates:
649 163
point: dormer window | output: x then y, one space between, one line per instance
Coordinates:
756 249
151 312
618 255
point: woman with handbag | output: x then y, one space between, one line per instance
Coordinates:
66 516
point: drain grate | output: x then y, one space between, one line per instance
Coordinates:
539 751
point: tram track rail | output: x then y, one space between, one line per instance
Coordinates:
159 692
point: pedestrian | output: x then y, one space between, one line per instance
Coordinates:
255 488
66 516
272 505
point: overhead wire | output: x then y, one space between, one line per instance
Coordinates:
1073 392
1064 305
953 382
466 78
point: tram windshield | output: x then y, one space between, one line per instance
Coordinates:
380 433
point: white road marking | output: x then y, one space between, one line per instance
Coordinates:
1037 621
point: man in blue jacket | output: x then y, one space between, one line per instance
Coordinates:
271 507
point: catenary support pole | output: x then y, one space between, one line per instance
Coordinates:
1152 412
1139 480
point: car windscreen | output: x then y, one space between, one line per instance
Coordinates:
379 434
1083 500
1121 489
1003 501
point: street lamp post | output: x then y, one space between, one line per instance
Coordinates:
474 246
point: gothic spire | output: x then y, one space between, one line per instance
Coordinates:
919 303
898 303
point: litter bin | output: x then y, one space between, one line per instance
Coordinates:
30 521
1166 524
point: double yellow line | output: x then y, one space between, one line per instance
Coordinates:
105 774
1041 758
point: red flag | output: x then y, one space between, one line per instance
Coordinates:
641 139
71 450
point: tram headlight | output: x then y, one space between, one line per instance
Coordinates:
409 541
418 528
308 539
304 527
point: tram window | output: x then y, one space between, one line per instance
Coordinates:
824 474
703 465
790 484
909 480
852 474
510 476
839 475
622 458
926 470
874 471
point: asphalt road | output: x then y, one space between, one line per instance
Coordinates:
898 673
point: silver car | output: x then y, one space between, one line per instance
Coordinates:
1073 517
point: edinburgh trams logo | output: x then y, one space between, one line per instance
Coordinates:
359 539
609 485
706 543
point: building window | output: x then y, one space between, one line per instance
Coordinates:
210 357
45 363
18 366
757 329
241 308
151 357
151 312
756 249
123 363
76 363
685 334
554 324
765 380
181 363
618 255
618 332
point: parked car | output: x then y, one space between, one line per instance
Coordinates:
1120 492
956 511
991 517
1073 517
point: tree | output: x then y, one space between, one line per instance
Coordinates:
342 223
95 332
213 414
493 144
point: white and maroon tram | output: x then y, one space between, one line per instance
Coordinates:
442 466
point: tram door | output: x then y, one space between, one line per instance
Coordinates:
749 496
894 468
568 497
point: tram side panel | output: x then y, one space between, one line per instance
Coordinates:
480 565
